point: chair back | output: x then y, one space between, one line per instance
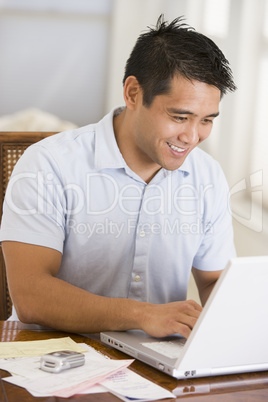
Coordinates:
12 146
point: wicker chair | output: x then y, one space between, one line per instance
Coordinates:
12 146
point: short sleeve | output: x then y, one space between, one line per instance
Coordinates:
34 206
217 245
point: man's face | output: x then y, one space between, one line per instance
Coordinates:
175 123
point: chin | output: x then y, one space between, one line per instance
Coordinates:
174 165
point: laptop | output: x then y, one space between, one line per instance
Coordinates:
230 336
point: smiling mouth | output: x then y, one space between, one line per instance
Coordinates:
177 149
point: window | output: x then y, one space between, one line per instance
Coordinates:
259 160
216 18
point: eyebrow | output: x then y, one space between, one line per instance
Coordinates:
183 111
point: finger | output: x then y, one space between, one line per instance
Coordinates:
182 329
195 305
187 320
189 309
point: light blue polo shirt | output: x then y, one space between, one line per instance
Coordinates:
119 236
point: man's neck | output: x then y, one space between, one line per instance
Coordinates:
128 148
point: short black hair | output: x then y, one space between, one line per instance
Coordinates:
176 49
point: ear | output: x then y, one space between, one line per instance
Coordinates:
132 92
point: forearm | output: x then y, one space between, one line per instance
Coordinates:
57 304
64 307
205 281
40 297
205 292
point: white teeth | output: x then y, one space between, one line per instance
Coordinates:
175 148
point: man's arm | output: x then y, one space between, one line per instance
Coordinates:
41 298
205 281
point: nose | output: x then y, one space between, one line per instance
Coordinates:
190 135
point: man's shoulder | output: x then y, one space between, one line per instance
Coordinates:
83 137
68 138
59 152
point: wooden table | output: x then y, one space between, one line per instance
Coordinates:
252 387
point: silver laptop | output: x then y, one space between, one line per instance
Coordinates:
230 336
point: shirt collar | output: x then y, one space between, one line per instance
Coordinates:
107 153
186 166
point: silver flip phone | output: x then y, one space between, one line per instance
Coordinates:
58 361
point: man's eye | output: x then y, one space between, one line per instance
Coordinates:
180 118
207 121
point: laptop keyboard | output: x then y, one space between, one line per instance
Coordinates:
171 349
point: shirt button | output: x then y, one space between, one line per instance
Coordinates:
142 233
137 278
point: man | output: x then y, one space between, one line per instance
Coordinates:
102 225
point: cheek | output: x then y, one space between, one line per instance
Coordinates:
167 130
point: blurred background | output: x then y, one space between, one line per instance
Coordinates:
62 63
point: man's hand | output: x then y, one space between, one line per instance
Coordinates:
167 319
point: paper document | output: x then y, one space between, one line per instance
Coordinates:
99 374
130 386
38 348
69 382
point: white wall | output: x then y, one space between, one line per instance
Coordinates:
54 56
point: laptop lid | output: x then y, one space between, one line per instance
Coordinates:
230 335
